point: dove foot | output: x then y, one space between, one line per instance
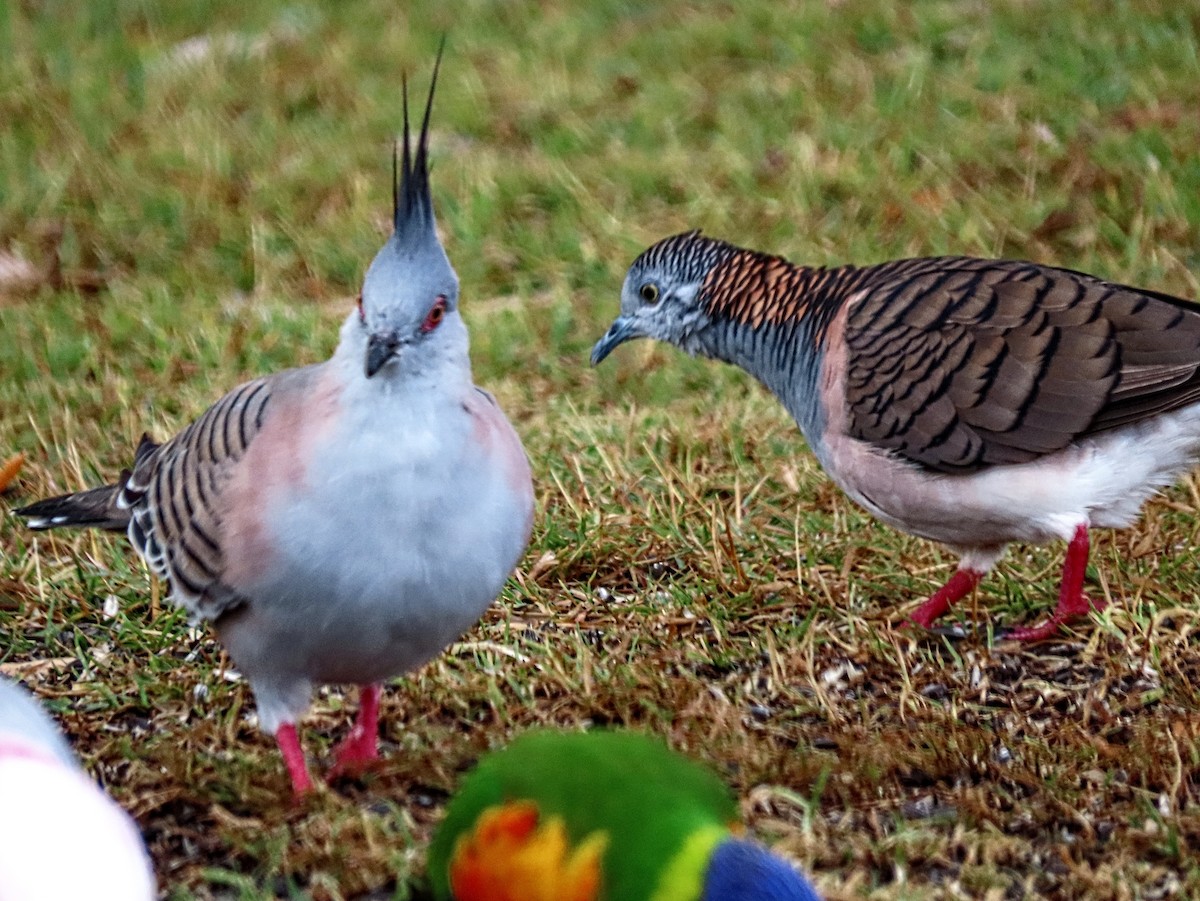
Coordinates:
961 584
1072 602
360 749
293 758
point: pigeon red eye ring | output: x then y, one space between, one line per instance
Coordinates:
435 315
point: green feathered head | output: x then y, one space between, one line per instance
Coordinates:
599 816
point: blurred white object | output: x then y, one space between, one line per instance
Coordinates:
61 837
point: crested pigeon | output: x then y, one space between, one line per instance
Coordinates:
343 522
51 813
968 401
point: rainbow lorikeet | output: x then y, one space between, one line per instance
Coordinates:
600 816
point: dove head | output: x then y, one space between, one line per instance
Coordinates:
664 295
407 322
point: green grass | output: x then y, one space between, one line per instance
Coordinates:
187 223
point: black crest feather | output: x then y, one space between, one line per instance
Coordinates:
412 207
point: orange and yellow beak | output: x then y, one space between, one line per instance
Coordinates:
515 855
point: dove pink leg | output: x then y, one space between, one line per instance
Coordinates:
1072 602
961 584
361 747
293 758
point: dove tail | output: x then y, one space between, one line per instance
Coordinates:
96 508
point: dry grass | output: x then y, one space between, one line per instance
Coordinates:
680 597
178 225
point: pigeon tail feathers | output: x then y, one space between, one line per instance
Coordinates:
96 508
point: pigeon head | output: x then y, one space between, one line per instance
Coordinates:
408 309
664 295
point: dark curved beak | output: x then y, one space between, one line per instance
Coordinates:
619 332
381 347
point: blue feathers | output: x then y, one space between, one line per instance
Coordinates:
744 871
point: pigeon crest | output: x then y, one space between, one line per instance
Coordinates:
410 287
412 205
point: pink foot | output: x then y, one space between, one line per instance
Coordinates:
293 758
1072 602
360 749
961 584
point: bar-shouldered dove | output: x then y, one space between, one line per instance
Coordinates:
344 522
968 401
61 837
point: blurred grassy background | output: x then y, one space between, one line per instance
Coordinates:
189 195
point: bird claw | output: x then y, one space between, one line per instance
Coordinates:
359 750
351 768
958 586
953 631
957 631
358 754
1065 614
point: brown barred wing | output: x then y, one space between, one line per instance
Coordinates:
174 493
958 363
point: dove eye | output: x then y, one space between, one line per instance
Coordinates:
435 315
649 292
362 316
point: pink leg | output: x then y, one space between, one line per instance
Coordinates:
1072 602
361 747
961 584
293 758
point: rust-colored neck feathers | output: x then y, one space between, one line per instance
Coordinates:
756 290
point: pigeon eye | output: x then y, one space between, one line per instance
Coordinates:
435 315
649 292
362 316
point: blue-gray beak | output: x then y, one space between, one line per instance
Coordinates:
381 347
619 332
